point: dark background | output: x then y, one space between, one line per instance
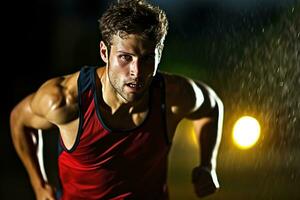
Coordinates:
247 50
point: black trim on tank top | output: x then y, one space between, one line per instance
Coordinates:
58 192
87 80
60 148
97 106
158 79
83 84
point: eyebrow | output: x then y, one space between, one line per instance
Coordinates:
132 54
124 52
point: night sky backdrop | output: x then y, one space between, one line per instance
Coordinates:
247 50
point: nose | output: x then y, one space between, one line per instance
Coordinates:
135 68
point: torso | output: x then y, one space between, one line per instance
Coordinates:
123 121
104 155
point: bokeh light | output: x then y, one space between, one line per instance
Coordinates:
246 132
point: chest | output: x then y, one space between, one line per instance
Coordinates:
69 131
123 120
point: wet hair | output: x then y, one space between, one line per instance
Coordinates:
134 17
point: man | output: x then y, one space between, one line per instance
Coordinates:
117 122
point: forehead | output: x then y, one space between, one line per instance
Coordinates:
132 43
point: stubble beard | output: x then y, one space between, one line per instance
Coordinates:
118 88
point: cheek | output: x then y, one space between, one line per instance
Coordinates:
118 67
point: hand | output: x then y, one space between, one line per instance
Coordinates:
46 192
205 181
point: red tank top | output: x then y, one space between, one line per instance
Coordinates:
112 164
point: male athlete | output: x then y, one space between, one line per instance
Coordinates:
117 122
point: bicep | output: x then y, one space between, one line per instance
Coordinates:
197 100
187 98
210 102
182 95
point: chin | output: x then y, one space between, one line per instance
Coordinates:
134 97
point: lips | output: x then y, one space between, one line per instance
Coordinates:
135 85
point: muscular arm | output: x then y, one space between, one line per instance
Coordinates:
52 105
24 126
196 101
208 120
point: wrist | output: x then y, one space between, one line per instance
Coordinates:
37 183
205 168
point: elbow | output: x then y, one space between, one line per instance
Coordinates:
216 113
14 127
17 129
220 106
14 122
216 106
13 118
219 116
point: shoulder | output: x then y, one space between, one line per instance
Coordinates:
177 84
56 95
189 98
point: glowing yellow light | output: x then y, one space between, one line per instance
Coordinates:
246 132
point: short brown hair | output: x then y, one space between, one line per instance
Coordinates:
134 17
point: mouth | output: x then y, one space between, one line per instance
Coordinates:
135 86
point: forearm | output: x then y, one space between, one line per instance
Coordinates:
209 144
25 141
209 131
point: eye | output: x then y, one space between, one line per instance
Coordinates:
125 58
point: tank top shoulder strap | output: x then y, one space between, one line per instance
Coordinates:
86 78
85 84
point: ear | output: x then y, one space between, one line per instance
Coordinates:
104 52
